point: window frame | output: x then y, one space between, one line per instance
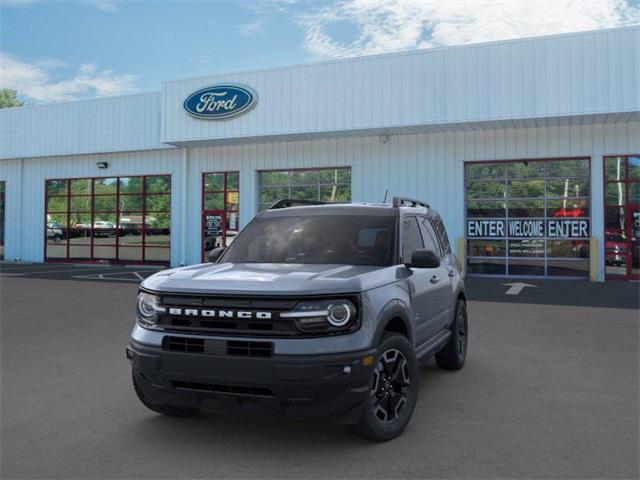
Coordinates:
427 223
506 178
627 206
145 231
225 211
402 218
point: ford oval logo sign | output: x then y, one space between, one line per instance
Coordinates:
220 102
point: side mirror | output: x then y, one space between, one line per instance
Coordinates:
214 255
424 259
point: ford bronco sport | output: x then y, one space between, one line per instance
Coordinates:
315 309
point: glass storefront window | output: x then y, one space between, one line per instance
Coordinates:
485 209
522 216
525 208
327 185
622 217
105 219
525 169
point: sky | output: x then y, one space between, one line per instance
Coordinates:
54 50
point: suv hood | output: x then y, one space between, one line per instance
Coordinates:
270 278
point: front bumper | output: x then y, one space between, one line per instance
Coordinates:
332 385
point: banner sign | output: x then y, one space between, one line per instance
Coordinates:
528 228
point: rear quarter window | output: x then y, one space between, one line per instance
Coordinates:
442 234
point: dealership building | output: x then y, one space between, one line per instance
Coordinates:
529 149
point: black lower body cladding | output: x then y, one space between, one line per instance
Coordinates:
316 385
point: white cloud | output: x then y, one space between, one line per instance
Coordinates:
252 28
34 80
391 25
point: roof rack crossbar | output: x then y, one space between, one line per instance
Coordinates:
292 202
408 202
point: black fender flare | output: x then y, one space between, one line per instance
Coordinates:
394 309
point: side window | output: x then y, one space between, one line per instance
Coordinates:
411 238
442 233
430 239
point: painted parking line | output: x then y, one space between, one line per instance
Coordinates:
114 276
57 270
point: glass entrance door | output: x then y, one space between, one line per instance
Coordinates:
220 201
622 217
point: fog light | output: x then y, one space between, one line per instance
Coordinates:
368 360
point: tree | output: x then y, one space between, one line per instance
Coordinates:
8 98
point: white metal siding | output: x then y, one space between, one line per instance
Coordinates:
426 166
113 124
558 76
25 196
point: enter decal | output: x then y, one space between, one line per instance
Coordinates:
528 228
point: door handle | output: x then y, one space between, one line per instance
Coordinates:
435 279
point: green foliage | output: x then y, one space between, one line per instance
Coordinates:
8 98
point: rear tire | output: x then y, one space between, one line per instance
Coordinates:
393 391
454 354
164 409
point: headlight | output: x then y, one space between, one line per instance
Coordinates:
148 309
323 315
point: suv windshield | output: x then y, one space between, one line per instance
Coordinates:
337 239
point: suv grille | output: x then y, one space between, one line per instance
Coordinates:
217 347
228 315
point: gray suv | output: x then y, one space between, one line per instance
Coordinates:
314 309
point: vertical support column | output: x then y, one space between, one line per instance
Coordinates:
184 206
248 192
19 249
597 215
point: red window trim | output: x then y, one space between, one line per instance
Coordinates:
628 276
143 230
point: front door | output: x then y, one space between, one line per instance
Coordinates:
220 202
622 217
427 285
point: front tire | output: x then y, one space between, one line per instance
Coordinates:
393 390
164 409
454 354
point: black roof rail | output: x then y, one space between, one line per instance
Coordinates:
408 202
292 202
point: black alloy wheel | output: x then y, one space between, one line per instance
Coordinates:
390 389
393 390
454 353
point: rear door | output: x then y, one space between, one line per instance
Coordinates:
422 283
443 284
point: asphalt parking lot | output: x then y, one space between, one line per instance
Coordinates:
550 390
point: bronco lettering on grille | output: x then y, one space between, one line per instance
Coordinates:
193 312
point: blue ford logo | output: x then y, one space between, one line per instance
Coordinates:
220 101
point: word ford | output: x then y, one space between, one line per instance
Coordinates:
194 312
209 102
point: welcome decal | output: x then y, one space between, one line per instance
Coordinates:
525 228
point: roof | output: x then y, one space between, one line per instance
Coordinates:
579 78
